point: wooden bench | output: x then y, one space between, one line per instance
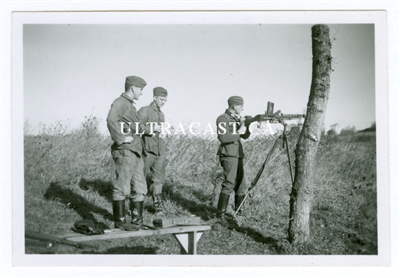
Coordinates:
187 236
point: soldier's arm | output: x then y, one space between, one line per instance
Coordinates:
144 117
113 122
246 135
247 123
138 125
224 131
162 118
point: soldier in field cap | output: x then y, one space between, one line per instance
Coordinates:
154 146
231 129
124 125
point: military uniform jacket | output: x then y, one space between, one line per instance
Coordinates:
231 144
152 142
123 111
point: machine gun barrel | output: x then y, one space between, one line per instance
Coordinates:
274 118
279 116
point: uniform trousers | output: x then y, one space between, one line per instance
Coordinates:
234 180
130 178
154 166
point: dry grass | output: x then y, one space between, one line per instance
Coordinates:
68 176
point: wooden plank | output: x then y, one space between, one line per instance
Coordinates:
126 234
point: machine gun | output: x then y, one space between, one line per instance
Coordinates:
272 117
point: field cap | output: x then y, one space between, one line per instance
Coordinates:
135 81
160 92
235 100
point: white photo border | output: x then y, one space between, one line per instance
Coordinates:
324 17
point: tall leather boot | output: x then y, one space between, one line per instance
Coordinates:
158 204
221 208
119 217
137 213
238 201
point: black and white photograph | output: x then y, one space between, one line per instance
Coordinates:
235 138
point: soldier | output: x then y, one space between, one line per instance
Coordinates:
154 146
231 128
125 127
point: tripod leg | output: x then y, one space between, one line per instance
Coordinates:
288 155
241 204
254 183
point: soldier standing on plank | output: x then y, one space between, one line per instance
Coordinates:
154 146
231 129
125 127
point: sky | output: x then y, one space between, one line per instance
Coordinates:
75 70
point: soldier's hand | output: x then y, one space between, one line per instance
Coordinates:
242 129
248 120
128 139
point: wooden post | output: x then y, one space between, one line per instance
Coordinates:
302 190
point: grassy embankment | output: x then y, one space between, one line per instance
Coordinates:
68 176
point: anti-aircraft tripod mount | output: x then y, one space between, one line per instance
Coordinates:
271 117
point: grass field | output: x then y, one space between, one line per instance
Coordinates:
69 174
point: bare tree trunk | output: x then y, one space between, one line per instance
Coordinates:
302 190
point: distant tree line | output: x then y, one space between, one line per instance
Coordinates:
348 130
